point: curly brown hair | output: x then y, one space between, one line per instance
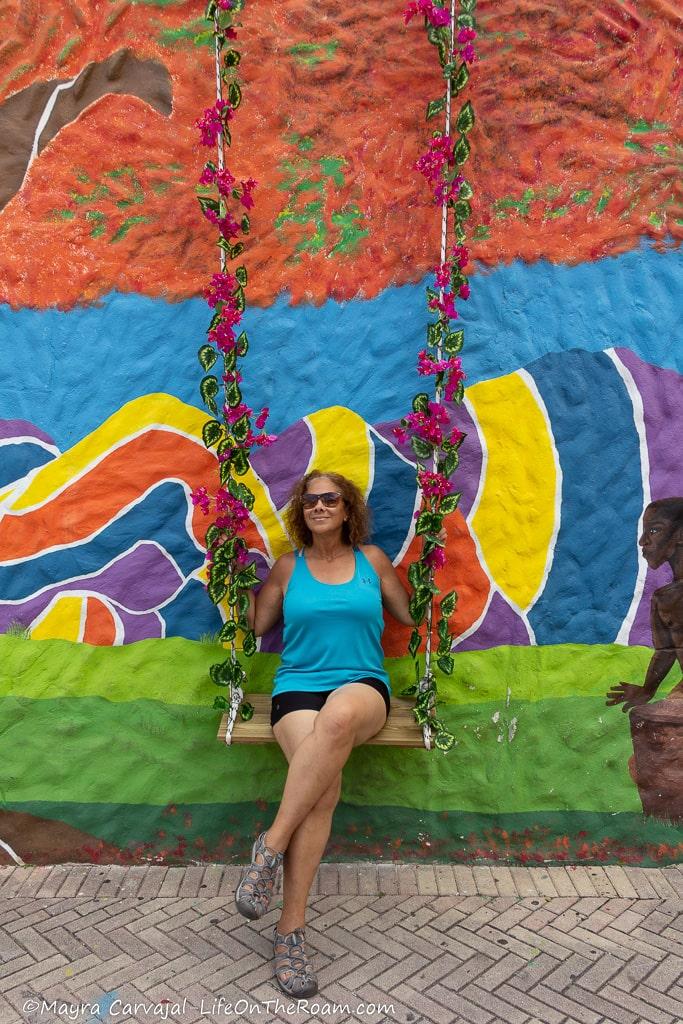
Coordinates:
355 530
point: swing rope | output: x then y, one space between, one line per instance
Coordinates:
427 680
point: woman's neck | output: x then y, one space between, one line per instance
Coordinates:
328 548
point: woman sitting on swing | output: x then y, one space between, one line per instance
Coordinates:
331 693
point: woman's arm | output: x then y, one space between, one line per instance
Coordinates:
265 608
395 598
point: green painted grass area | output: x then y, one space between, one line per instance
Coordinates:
547 755
175 671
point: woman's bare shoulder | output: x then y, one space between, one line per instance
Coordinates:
283 567
374 555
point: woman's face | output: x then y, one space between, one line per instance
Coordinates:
324 520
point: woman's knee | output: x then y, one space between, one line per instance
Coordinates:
337 722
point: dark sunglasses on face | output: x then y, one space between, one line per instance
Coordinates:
330 499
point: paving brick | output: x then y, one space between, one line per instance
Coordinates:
231 877
407 880
426 880
600 881
387 881
561 879
173 879
621 882
669 1004
524 880
484 880
659 883
464 879
498 1008
367 879
348 879
534 1007
505 883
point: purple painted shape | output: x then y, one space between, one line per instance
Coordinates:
140 579
468 473
662 395
147 626
641 632
501 626
284 462
22 428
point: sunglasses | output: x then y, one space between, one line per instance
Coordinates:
330 499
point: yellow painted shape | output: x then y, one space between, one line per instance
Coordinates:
62 622
341 444
155 410
515 520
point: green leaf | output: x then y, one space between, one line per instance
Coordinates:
465 21
459 232
245 224
461 151
233 394
416 574
465 118
228 631
408 691
234 95
427 522
224 472
466 190
434 332
444 647
230 360
459 393
462 209
468 5
217 590
246 711
207 356
453 342
249 643
212 535
207 203
220 703
232 58
242 493
220 674
242 344
240 428
241 272
445 663
421 448
421 402
461 79
421 715
208 389
431 294
414 643
442 628
233 251
450 464
417 610
444 741
240 462
449 504
435 107
447 605
246 577
212 431
210 10
239 299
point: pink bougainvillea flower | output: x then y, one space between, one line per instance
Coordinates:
466 35
262 417
446 305
200 497
436 559
208 175
439 16
467 54
225 181
434 485
246 198
401 434
220 288
225 5
228 226
464 292
210 124
442 274
461 255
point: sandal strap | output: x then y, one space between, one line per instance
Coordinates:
292 967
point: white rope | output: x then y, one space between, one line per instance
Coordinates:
236 698
426 680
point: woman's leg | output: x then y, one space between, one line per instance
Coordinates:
309 840
351 715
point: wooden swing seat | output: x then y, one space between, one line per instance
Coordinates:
401 729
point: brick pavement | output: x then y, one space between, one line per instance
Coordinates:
438 944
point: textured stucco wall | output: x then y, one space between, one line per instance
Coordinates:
573 410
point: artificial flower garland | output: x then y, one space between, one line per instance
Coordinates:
225 202
433 438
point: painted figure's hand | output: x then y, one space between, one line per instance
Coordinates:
628 694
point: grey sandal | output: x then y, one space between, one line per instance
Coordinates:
293 971
257 883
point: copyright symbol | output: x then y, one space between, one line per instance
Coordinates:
30 1004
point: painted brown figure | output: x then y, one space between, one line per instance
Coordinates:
657 730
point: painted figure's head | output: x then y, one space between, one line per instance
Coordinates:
322 503
662 530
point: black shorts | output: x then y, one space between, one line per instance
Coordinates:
308 700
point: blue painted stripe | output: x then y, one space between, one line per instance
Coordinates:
591 581
16 460
191 613
391 498
359 354
159 517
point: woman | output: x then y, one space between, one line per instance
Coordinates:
331 693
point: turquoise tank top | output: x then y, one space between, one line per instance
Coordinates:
332 631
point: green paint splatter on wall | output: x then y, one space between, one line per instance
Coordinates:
311 54
64 53
193 32
127 225
312 184
603 201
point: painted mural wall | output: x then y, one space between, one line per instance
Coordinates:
573 415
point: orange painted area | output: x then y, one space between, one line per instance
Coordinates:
575 147
462 573
93 501
100 628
